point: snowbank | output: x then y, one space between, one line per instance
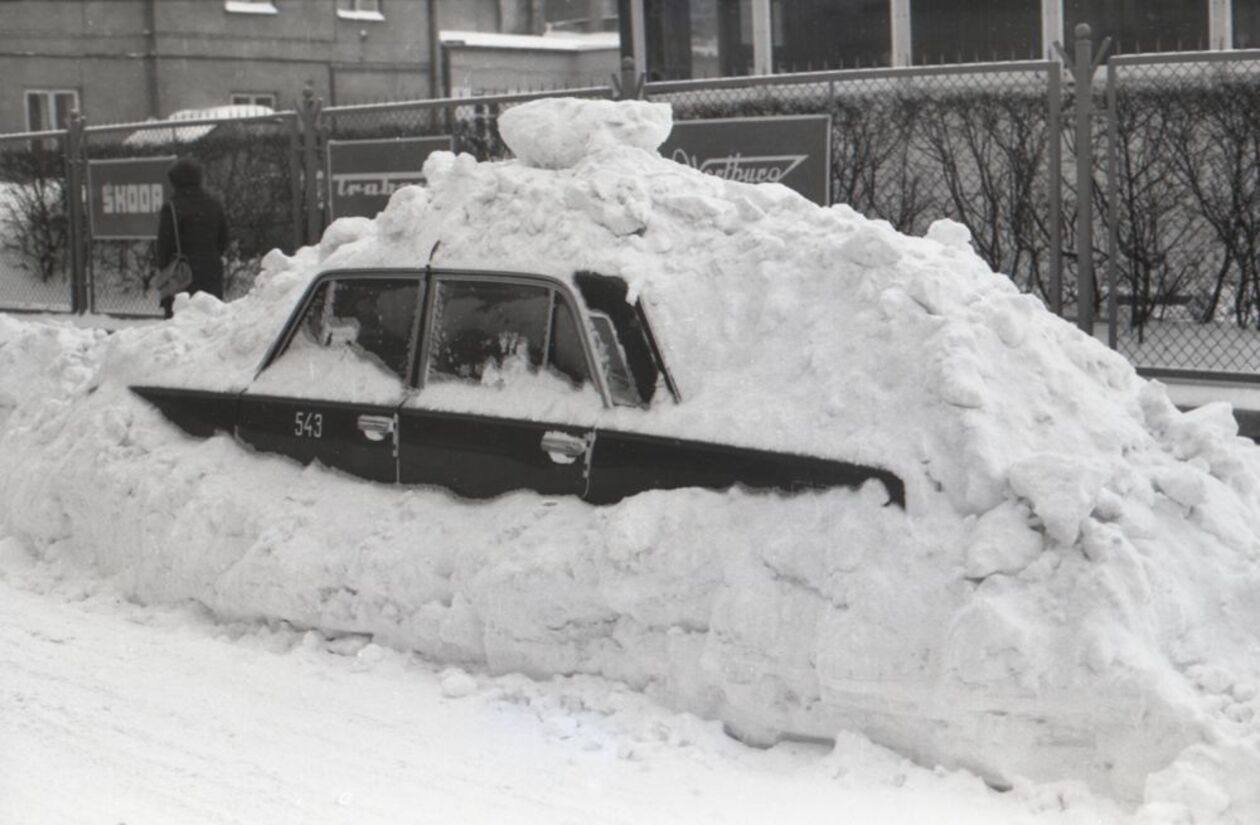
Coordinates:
1072 592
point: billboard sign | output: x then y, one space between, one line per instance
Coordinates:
362 174
125 196
793 150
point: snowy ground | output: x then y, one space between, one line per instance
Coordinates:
1072 593
113 712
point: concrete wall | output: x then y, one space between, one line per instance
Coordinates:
81 46
472 15
509 70
200 54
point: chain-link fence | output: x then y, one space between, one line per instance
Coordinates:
35 269
910 146
1183 189
1175 199
470 124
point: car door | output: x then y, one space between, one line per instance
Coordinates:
505 398
331 390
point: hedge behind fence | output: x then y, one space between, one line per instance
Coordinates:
961 146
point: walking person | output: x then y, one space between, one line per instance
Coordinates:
192 224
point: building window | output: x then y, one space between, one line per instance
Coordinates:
810 35
254 99
974 31
1246 24
249 7
1149 26
48 109
580 15
359 10
734 37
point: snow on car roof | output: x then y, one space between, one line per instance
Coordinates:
1071 592
156 136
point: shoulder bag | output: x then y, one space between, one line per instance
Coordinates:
177 275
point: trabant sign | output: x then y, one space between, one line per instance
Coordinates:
125 196
793 150
362 174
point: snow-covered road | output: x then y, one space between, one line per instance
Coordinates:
115 713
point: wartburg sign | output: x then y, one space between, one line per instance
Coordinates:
362 174
792 150
125 197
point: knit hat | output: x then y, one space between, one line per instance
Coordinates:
185 173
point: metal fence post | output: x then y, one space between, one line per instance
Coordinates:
629 84
296 192
310 111
1086 63
1055 162
75 169
1084 75
1113 202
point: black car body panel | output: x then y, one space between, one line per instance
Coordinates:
608 344
198 412
623 464
479 456
357 438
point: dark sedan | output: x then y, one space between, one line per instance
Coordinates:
361 376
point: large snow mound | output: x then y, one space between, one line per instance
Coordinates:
1072 592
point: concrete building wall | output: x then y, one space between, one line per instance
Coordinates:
130 59
364 84
472 15
73 27
202 82
90 47
511 70
597 67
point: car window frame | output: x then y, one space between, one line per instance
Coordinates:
419 346
294 322
555 286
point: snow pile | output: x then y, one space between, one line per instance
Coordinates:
1072 592
557 133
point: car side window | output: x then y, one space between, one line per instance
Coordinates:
372 319
353 342
485 331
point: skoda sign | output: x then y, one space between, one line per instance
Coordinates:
792 150
362 174
125 197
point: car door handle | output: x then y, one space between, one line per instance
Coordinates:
558 444
376 427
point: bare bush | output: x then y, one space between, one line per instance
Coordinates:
33 210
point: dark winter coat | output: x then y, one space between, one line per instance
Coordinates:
202 230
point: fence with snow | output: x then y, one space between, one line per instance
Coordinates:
1174 275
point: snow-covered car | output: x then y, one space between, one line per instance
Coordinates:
361 377
1070 592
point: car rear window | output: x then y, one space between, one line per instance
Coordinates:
484 330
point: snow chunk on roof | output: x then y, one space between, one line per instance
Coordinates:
556 133
154 136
